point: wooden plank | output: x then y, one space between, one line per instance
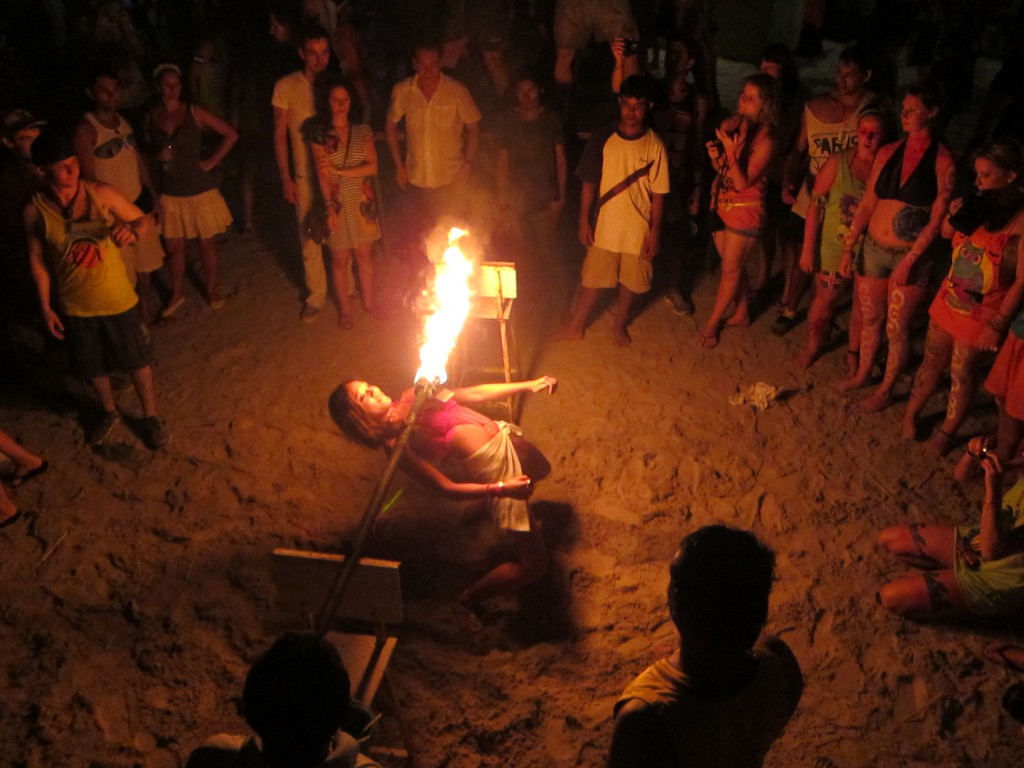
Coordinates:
303 579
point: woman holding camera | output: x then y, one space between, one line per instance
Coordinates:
740 157
968 570
972 311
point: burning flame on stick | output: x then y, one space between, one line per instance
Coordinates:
448 303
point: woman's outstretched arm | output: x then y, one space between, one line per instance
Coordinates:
484 392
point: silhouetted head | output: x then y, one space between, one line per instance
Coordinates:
718 591
296 697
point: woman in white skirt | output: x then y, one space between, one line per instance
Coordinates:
191 206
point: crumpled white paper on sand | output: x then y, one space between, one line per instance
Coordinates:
759 395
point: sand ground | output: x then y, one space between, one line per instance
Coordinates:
138 591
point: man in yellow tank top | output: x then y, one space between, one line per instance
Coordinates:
74 230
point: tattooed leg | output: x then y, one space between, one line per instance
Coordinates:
870 296
920 557
938 593
937 354
923 546
903 301
963 386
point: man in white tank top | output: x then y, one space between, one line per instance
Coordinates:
105 147
829 125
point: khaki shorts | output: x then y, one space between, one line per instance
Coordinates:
606 269
577 20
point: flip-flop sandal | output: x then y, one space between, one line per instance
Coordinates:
999 653
168 312
23 478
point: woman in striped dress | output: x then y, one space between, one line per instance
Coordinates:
346 162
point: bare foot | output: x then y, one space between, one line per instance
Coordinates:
621 337
852 363
1009 655
375 311
940 443
466 618
878 401
908 429
707 340
8 509
807 358
34 467
567 333
849 384
740 318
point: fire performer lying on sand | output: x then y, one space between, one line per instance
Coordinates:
464 455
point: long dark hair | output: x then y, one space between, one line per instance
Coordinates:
326 82
768 87
351 420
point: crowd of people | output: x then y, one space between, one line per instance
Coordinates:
99 206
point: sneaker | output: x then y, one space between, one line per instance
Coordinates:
681 305
154 432
784 323
100 431
308 313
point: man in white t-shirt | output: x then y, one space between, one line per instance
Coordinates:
625 175
293 105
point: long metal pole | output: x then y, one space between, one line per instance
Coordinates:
424 391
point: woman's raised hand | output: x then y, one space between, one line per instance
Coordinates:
544 382
728 142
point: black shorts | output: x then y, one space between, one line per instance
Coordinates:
97 346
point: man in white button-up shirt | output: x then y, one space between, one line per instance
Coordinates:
442 133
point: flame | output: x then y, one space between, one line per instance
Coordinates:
449 302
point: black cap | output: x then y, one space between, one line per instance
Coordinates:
51 147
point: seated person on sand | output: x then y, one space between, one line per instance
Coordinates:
728 692
899 217
838 189
976 569
464 455
296 699
972 311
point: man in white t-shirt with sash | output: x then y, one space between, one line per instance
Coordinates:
625 179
